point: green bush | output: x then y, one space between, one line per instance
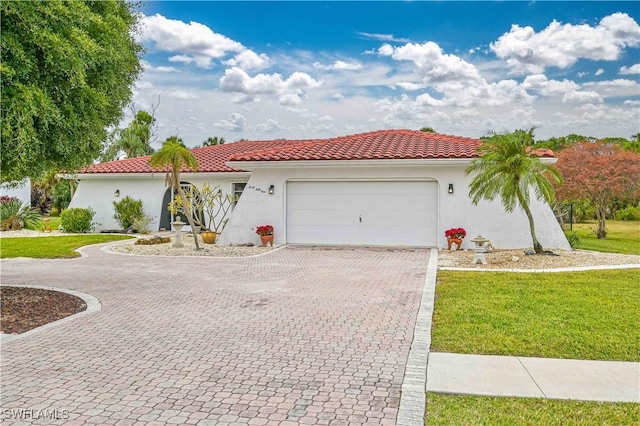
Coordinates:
628 213
77 220
574 240
55 212
15 215
128 211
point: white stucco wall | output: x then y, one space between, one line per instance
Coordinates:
97 192
21 190
257 207
505 230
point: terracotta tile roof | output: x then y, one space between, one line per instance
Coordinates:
210 159
378 145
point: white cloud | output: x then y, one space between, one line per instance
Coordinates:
269 126
633 69
248 60
180 94
237 80
339 66
632 103
561 45
407 85
235 123
546 87
434 66
384 37
428 100
193 40
290 99
600 71
582 96
181 58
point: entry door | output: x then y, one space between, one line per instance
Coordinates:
380 213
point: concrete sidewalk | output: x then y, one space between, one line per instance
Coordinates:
533 377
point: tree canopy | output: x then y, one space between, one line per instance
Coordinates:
508 170
601 173
210 141
67 72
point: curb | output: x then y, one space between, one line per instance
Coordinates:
414 384
93 305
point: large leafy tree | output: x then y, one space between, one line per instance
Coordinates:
67 72
177 157
601 173
508 169
134 140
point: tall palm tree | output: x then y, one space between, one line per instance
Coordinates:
509 170
211 141
134 140
177 157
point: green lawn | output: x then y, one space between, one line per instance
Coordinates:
52 247
622 237
579 315
465 410
54 221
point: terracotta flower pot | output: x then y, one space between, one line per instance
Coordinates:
209 237
456 241
266 239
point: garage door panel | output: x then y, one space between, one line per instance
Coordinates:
392 213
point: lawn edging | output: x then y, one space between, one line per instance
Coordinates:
92 302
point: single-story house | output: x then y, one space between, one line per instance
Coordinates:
381 188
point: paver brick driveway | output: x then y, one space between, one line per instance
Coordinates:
297 336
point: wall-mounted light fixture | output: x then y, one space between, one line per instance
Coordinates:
450 188
116 193
271 189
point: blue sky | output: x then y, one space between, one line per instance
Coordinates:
269 70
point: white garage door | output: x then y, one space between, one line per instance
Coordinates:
362 213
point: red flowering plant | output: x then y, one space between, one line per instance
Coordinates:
264 230
459 233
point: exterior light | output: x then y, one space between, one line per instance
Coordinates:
271 189
450 188
116 193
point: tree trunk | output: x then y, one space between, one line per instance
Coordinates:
602 230
187 212
537 247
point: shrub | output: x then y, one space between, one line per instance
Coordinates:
54 212
141 226
77 220
574 240
628 213
128 211
14 214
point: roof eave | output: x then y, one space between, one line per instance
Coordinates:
156 175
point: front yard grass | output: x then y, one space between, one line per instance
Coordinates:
622 237
463 410
52 247
578 315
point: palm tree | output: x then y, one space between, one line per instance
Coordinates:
176 156
210 141
134 140
508 169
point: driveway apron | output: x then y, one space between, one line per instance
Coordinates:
296 336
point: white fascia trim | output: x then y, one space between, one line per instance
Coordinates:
444 162
190 175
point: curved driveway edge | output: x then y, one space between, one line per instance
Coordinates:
93 305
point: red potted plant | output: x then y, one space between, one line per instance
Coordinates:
455 236
266 234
